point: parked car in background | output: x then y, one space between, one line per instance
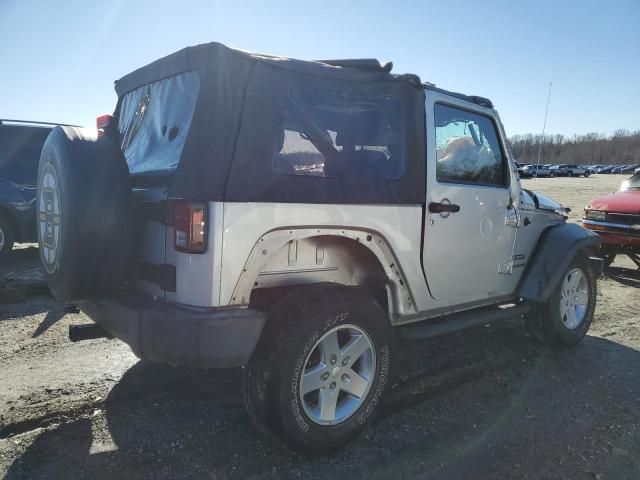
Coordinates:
628 169
607 169
572 170
616 218
554 169
623 169
538 171
20 146
520 168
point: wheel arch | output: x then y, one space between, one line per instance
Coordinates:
557 247
287 258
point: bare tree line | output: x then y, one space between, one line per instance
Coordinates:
622 147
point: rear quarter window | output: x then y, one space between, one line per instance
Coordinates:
154 121
339 135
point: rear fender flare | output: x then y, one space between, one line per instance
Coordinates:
400 297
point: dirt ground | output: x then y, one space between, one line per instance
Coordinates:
487 403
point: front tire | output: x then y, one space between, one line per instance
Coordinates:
321 367
566 317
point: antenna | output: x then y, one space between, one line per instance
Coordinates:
544 126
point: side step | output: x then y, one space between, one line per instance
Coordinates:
462 320
87 331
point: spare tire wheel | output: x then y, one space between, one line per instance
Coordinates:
84 214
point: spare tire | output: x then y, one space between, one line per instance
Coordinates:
84 214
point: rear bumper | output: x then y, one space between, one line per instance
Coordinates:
194 337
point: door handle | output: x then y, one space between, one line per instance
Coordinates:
445 206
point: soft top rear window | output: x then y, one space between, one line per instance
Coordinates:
154 121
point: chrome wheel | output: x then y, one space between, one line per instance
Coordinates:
49 218
1 238
338 375
574 298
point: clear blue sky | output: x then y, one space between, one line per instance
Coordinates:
58 59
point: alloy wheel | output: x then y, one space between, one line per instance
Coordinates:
574 298
338 375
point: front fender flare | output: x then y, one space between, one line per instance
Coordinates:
557 247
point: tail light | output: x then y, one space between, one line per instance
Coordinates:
189 226
105 124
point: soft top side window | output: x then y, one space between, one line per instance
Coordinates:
467 148
339 135
154 121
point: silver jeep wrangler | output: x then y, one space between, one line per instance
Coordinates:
287 216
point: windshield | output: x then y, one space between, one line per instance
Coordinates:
154 121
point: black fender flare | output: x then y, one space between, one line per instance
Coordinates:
557 247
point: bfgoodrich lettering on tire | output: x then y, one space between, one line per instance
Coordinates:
321 368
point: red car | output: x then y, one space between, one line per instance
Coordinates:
616 217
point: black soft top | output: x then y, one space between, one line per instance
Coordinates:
228 151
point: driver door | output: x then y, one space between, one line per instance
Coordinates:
470 222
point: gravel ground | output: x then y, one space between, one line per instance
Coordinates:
484 403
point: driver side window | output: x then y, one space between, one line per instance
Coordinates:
467 148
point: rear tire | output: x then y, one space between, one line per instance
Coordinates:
295 355
7 237
569 174
565 319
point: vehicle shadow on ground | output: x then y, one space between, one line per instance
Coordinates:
469 405
32 304
53 316
624 276
22 258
